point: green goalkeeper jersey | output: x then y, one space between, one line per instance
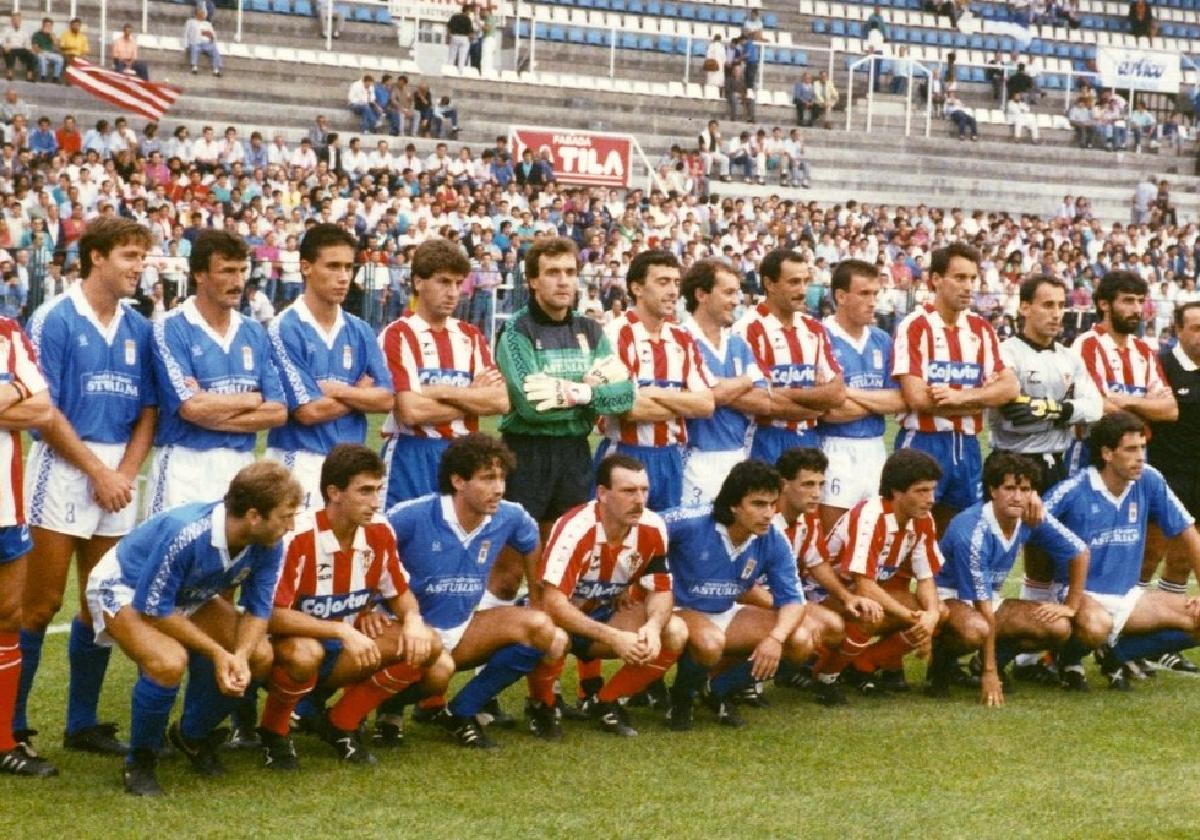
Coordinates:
532 342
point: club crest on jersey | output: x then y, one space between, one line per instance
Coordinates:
347 357
83 341
247 359
484 548
1133 512
748 569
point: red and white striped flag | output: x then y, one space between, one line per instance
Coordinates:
148 99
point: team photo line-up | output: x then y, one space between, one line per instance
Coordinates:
739 523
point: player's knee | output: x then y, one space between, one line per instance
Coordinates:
38 616
799 645
1058 631
1092 626
707 646
974 631
260 660
301 657
675 634
943 612
539 629
558 646
166 665
435 648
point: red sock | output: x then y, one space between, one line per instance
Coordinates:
852 647
542 680
432 704
887 653
10 675
587 669
634 678
359 699
283 693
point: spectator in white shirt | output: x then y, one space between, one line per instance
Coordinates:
278 153
258 304
1019 116
18 46
199 38
304 157
206 151
362 102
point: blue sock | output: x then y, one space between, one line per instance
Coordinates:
732 680
204 706
689 677
151 709
1071 653
89 662
505 667
1152 645
31 656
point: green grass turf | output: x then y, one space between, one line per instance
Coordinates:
1049 764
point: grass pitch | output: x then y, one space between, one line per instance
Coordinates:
1049 764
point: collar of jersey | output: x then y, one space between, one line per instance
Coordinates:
630 540
693 329
305 315
327 541
1184 362
734 551
1038 347
989 516
834 328
538 314
192 315
1098 485
451 517
219 539
109 333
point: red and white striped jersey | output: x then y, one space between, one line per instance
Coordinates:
1133 369
580 562
807 539
671 361
18 363
321 580
962 356
791 355
868 541
418 355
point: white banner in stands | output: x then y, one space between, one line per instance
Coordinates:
1137 69
424 9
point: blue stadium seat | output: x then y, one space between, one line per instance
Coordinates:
260 5
303 7
930 37
705 14
1052 82
962 74
721 15
575 35
636 7
854 28
991 44
382 15
541 31
283 7
521 27
961 41
617 5
1063 50
768 55
557 33
945 39
800 58
666 44
688 12
699 48
819 26
594 37
601 5
646 43
978 75
738 16
654 7
670 10
364 14
837 27
629 41
976 43
681 46
771 21
344 11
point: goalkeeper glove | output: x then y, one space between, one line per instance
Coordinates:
547 392
606 371
1026 411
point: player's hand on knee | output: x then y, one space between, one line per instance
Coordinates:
651 639
628 647
418 641
1192 605
1048 613
866 609
764 661
361 649
232 672
373 624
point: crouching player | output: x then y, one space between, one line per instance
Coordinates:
980 547
826 596
1108 506
325 626
882 545
157 595
449 542
716 555
595 553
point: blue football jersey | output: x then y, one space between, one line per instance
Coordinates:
305 355
100 378
979 557
867 365
179 560
709 573
1115 528
727 429
448 568
186 347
